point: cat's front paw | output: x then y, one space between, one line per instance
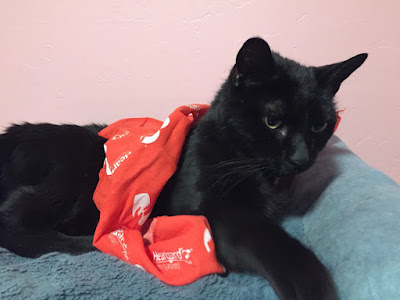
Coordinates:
311 282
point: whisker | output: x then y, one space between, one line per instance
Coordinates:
238 161
230 173
252 172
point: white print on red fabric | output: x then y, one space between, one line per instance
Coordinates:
120 136
140 267
154 137
172 260
108 171
195 107
118 236
207 239
117 163
141 203
151 139
166 123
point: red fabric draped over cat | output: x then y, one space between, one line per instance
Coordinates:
141 155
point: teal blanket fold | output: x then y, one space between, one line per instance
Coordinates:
353 225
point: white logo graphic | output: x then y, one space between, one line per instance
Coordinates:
140 203
118 235
108 171
151 139
182 255
120 136
195 107
154 137
117 163
166 123
140 267
207 239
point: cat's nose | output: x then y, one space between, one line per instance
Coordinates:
300 155
299 158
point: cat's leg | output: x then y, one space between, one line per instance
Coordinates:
28 217
259 246
36 243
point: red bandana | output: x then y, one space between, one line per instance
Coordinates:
141 155
338 119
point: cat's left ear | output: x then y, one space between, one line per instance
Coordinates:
254 63
331 76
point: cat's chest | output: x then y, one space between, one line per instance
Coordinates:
240 192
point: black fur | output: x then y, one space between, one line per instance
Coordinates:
227 171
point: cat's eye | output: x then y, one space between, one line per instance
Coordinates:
319 127
273 123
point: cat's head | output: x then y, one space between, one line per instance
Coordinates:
279 109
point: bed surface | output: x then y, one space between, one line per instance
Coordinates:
353 226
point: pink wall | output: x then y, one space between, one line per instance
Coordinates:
84 61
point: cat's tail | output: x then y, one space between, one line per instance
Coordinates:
5 152
3 155
3 148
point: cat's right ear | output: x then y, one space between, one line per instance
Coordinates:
254 63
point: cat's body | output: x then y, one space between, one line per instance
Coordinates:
270 119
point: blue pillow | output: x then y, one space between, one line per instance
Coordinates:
354 226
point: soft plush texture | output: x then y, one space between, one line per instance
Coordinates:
353 227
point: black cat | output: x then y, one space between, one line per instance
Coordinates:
270 119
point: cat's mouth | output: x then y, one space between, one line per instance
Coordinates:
283 182
289 169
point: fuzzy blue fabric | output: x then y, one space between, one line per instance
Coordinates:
353 226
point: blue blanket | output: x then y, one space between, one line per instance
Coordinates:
353 226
